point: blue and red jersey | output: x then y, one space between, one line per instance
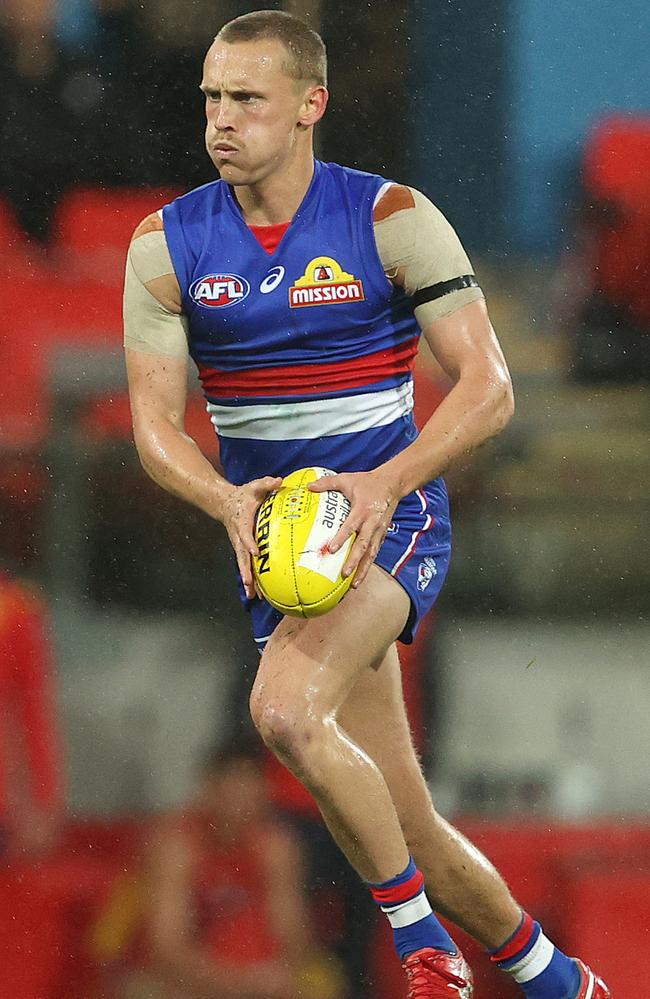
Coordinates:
305 354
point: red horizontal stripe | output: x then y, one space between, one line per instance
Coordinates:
517 941
303 379
401 893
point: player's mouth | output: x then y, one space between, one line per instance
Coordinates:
224 150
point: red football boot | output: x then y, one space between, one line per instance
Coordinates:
591 987
435 974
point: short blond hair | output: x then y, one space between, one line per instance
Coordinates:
305 47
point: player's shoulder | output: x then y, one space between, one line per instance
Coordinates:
199 195
349 173
357 182
393 198
410 209
191 204
150 223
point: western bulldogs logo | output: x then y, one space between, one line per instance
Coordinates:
218 291
427 570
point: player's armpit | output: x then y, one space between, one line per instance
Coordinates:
152 322
421 252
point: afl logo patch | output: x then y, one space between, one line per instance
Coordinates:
218 291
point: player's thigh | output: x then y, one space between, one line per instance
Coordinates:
312 665
374 716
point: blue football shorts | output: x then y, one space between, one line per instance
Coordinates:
415 551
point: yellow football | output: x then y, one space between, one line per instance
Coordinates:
295 571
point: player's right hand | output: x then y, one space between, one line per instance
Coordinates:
238 516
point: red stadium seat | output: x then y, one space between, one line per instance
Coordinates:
93 227
616 172
11 233
607 924
15 248
90 219
48 312
617 160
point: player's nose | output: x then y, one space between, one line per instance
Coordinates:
224 116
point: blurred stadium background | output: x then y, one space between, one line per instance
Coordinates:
529 125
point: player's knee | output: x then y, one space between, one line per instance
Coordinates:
286 731
271 721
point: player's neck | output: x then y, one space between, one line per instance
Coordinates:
277 198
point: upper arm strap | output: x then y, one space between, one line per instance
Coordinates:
420 250
442 288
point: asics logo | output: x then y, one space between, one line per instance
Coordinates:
272 280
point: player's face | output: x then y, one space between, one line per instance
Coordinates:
254 110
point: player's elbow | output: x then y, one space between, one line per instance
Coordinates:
499 400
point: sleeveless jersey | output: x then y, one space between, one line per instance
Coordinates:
305 355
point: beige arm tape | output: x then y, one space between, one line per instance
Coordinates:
150 327
417 244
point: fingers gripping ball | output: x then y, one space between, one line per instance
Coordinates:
295 571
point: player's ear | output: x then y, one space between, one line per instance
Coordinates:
313 105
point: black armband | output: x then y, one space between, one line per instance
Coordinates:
443 288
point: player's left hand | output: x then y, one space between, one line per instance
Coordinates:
373 497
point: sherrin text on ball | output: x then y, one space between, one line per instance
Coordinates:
295 570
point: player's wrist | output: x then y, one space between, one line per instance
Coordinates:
221 499
395 473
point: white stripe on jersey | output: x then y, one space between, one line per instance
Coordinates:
288 421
